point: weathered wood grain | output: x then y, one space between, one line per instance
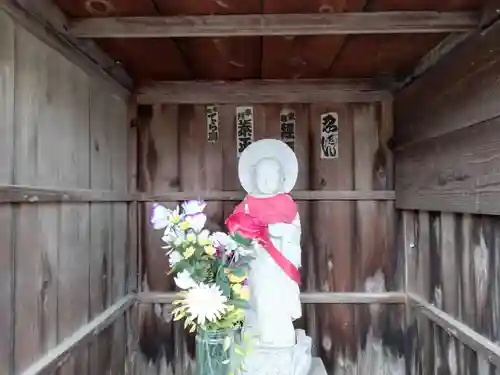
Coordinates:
47 13
101 232
263 91
299 195
458 329
160 343
70 91
379 268
39 194
456 172
133 237
201 162
334 242
84 334
456 92
305 297
458 270
118 124
7 271
274 24
33 194
36 228
46 120
45 23
419 335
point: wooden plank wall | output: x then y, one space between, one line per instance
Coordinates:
447 140
61 264
347 246
454 263
447 174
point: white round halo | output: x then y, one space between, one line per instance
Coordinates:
263 149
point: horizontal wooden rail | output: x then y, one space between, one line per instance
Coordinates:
313 298
457 329
32 194
262 91
304 195
57 356
274 24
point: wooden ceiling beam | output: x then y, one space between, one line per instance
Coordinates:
275 24
262 91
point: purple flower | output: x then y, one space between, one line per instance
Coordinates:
193 207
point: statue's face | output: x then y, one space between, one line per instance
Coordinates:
268 176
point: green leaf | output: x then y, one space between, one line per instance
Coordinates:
238 238
223 282
227 343
238 272
241 303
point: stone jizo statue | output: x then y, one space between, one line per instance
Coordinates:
268 170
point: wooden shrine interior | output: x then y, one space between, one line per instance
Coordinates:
411 78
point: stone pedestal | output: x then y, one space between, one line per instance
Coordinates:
317 367
294 360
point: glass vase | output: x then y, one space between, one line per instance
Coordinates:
214 351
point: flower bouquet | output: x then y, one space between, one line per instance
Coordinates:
211 270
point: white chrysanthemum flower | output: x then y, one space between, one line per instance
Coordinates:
205 303
193 207
197 222
174 258
183 280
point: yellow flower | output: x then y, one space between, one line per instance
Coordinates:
184 225
175 219
241 291
245 293
236 279
191 237
210 250
203 242
189 252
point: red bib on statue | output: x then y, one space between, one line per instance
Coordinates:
251 218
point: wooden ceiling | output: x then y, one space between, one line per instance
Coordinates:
268 57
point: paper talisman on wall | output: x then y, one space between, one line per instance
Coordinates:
212 114
329 135
287 127
244 128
